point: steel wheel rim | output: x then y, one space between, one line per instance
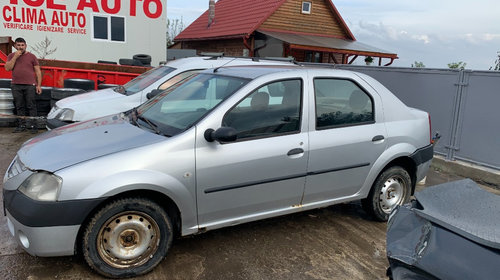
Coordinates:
128 239
392 193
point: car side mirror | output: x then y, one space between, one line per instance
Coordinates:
153 93
222 134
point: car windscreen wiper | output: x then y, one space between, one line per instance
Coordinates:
150 123
132 114
120 89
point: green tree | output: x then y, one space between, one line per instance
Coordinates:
497 63
418 64
368 60
174 27
457 65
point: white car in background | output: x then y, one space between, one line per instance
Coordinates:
109 101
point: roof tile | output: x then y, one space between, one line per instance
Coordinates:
232 18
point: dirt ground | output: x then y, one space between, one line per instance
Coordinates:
338 242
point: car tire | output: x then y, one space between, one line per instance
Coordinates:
106 62
84 84
130 62
145 59
43 107
45 95
6 102
5 83
61 93
392 188
124 228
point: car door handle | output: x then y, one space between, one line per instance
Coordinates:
295 151
377 138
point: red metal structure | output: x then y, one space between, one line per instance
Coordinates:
55 71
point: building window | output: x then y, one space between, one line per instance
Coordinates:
306 7
311 56
109 28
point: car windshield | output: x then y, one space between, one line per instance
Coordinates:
144 80
185 103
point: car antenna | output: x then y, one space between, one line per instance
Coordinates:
217 69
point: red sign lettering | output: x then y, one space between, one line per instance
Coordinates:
42 19
52 5
4 13
38 3
81 20
147 6
88 4
33 3
116 8
133 7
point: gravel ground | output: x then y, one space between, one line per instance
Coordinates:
338 242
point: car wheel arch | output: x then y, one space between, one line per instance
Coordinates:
408 164
167 203
395 155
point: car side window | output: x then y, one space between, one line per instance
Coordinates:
177 78
341 103
271 110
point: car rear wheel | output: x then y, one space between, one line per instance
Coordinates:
392 188
127 237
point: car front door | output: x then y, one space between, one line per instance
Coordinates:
263 171
347 137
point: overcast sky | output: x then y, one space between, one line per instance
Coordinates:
433 32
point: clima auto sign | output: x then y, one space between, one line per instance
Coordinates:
54 16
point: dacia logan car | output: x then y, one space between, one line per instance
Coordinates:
227 146
108 101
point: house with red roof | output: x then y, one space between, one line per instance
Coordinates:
309 31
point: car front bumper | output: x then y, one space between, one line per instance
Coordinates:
44 241
45 228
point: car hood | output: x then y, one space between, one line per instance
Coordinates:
72 144
92 96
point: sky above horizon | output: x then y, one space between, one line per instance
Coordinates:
432 32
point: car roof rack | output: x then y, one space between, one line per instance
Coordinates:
216 55
212 55
315 64
283 59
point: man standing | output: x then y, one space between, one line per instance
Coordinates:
26 81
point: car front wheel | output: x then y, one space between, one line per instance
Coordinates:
392 188
127 237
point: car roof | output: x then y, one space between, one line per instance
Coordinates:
255 71
204 62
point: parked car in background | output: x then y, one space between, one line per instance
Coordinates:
227 146
104 102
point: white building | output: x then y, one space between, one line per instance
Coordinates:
89 30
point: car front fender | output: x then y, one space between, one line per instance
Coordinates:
151 180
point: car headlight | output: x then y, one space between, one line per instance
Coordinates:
15 168
53 111
42 186
65 114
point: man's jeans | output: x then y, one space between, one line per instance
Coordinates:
24 100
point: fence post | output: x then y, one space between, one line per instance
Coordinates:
454 145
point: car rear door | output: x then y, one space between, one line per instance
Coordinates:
347 136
